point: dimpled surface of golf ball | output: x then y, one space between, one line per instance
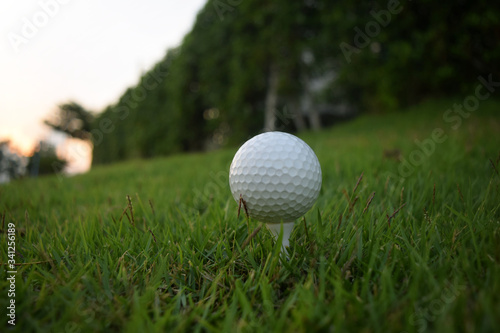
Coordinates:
277 175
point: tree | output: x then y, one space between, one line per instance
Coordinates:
45 161
74 120
12 165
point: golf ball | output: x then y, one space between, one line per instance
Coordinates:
277 175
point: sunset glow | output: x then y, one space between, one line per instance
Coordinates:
77 51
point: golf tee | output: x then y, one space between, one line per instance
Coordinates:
275 229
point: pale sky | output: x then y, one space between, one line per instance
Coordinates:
89 51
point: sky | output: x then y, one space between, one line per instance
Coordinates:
88 51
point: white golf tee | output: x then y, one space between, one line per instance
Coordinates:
275 229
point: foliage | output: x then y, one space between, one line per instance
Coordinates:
372 57
12 165
72 119
385 252
45 161
427 49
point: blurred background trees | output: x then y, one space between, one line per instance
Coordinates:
44 161
255 65
12 165
72 119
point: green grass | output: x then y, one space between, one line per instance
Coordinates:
422 255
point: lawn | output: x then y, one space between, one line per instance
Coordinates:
405 237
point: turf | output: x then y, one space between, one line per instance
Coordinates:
405 236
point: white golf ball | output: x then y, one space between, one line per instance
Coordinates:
277 175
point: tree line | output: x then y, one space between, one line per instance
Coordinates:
254 65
